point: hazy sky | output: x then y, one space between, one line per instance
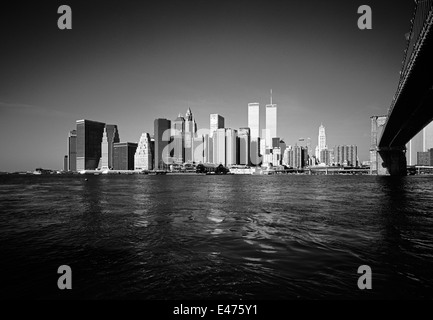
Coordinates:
129 62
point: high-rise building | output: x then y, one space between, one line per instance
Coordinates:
321 140
162 132
190 133
179 139
219 146
216 122
244 143
65 163
231 147
294 157
89 138
104 151
346 155
254 120
112 137
198 149
143 158
123 155
271 123
72 151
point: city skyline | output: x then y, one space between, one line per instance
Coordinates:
141 62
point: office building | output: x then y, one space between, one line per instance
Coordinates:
72 151
244 144
346 155
112 137
143 158
295 157
123 155
198 149
179 139
219 146
216 122
231 147
89 138
162 132
254 120
104 151
321 141
65 163
190 134
271 123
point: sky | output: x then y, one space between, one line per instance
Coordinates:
130 62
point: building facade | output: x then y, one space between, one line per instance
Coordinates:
179 139
89 139
244 144
162 134
271 123
143 158
346 155
219 146
72 151
231 147
123 155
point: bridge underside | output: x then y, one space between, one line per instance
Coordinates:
412 111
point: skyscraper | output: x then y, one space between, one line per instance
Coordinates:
244 142
162 128
231 147
219 146
179 139
89 138
190 132
271 123
123 155
112 137
216 122
72 151
322 138
143 158
254 120
104 151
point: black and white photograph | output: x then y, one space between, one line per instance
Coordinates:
216 154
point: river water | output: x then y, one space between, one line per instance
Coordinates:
216 237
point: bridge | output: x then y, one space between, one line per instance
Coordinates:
412 106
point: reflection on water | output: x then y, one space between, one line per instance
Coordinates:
249 237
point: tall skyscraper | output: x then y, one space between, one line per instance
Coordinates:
219 146
72 151
244 143
179 139
123 155
89 138
271 123
143 158
254 120
190 133
322 138
162 132
231 147
104 151
216 122
112 137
